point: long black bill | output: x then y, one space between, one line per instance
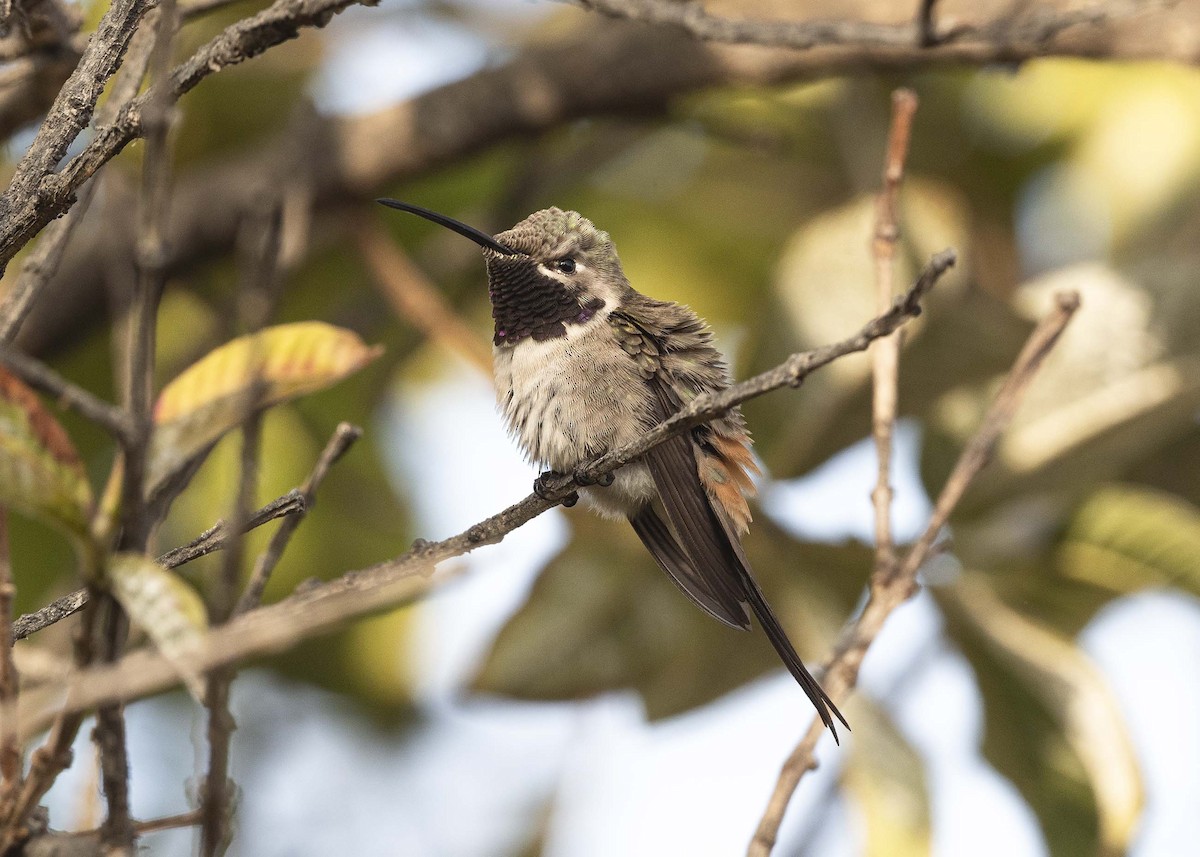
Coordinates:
480 238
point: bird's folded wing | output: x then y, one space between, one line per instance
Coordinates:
658 539
715 552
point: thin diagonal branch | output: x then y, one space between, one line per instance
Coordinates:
888 593
67 395
283 20
45 259
215 538
321 608
343 438
72 109
790 373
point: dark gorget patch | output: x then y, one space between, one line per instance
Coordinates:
528 304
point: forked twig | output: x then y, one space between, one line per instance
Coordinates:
890 591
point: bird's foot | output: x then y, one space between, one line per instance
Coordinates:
542 485
582 478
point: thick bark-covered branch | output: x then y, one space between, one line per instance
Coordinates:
608 68
35 198
1022 30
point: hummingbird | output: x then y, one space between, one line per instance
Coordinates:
584 364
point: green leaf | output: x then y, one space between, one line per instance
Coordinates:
1125 538
170 612
213 395
1053 726
41 474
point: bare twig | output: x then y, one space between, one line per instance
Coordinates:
52 613
888 593
137 392
217 537
53 756
141 330
67 395
262 236
170 822
27 212
256 299
926 26
979 449
216 806
198 8
343 438
40 266
885 353
415 299
213 539
216 789
72 109
325 606
10 750
109 733
806 35
43 262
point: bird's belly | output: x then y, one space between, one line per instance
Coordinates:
570 399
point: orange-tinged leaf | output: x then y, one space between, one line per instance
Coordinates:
214 395
167 609
40 471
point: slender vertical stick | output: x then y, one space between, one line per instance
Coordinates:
885 353
137 392
261 250
10 749
926 26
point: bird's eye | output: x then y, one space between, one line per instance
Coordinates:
567 266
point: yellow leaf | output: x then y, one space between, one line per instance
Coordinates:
40 471
215 394
167 609
886 777
1125 538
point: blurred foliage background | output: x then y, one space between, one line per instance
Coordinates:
754 206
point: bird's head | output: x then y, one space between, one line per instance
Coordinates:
551 270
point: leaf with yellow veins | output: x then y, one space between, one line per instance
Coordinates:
40 471
216 393
165 607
